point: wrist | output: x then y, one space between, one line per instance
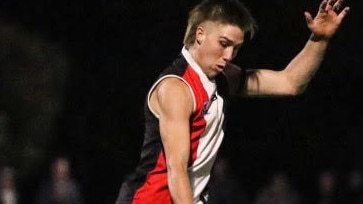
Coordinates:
318 38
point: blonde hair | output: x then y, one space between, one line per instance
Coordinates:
231 12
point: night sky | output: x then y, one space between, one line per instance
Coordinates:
115 49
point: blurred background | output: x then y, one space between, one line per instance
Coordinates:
74 75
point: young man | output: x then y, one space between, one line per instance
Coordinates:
185 107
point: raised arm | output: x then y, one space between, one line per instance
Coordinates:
173 102
295 77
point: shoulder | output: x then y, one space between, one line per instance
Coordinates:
173 98
170 96
173 87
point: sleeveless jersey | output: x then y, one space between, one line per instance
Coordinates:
148 185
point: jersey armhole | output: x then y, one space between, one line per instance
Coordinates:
158 82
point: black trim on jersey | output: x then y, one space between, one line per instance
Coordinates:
229 82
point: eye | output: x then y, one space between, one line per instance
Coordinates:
224 44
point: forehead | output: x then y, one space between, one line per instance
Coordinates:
229 31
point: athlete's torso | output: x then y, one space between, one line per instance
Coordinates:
149 183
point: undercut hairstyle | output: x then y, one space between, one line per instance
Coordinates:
229 12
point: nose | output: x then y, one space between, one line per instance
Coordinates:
228 54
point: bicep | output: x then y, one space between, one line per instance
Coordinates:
175 107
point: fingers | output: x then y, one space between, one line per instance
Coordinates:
337 5
323 5
327 5
334 5
343 13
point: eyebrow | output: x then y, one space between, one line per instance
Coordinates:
231 41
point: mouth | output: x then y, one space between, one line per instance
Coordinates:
220 67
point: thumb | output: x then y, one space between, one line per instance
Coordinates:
308 17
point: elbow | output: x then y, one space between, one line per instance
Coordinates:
174 167
295 89
299 90
291 90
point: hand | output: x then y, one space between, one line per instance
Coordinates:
327 20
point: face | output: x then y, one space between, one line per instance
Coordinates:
216 45
60 168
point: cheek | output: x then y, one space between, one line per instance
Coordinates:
213 52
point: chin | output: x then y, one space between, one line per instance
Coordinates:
212 75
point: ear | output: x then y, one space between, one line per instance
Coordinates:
200 34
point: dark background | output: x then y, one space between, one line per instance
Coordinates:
98 59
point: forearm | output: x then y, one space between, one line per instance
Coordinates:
303 67
323 26
179 186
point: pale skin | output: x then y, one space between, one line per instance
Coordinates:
215 46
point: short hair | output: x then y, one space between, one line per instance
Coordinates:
231 12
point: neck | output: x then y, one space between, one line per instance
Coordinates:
197 56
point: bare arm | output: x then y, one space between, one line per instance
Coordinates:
295 77
173 101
